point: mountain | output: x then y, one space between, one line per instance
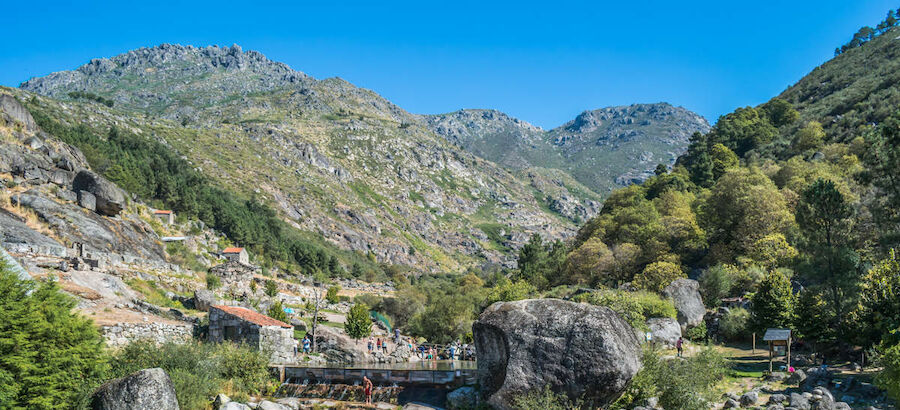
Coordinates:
335 160
602 149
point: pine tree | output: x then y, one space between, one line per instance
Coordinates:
773 303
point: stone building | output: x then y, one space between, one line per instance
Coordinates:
243 325
164 216
237 255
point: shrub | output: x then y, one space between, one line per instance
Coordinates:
678 384
716 283
889 378
657 275
276 311
199 371
332 295
358 324
213 282
634 307
271 288
733 326
545 399
697 333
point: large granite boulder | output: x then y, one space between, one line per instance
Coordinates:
203 299
145 389
17 113
664 331
462 398
685 294
583 351
110 198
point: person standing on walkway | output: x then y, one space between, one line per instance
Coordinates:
679 345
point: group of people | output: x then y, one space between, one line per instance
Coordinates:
378 344
455 351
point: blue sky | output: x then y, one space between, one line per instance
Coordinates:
541 62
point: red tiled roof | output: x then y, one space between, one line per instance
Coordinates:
232 250
251 316
162 212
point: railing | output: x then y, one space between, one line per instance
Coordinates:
298 374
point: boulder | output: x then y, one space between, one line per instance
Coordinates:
822 399
268 405
731 404
220 401
841 406
776 377
777 398
462 398
799 401
233 405
749 398
110 198
797 377
87 200
16 112
583 351
775 407
144 389
685 294
61 178
203 299
664 331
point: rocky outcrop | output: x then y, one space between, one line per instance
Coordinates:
580 350
664 331
462 398
203 299
685 294
145 389
109 199
15 113
337 347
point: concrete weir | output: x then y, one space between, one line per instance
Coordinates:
444 375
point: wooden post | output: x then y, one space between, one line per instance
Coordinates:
789 353
754 343
771 355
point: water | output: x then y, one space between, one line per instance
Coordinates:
439 365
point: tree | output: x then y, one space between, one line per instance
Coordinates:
814 317
532 261
773 303
772 251
358 324
742 130
780 112
332 295
657 275
276 311
723 159
508 291
824 217
48 352
271 288
716 283
588 264
810 136
879 309
882 160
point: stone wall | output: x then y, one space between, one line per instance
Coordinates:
276 340
122 334
279 342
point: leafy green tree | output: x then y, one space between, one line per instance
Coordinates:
358 324
532 261
271 288
657 275
698 162
772 251
716 283
508 291
48 353
332 294
879 302
824 217
810 136
773 304
780 112
743 130
723 159
882 160
889 377
815 319
276 311
733 326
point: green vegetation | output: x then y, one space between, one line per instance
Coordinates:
49 355
155 173
678 384
358 324
332 294
276 311
90 96
634 307
270 288
213 282
199 371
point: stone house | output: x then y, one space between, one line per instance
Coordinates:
242 325
164 216
236 255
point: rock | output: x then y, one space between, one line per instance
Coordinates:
777 398
34 143
14 110
87 200
110 198
584 351
462 398
775 407
776 376
268 405
664 331
841 406
797 377
235 406
144 389
61 178
749 398
66 195
203 299
731 396
817 377
798 401
731 404
685 293
220 401
822 399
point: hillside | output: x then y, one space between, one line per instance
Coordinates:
334 159
602 149
857 88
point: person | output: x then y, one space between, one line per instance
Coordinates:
370 345
384 348
367 389
453 351
679 345
378 344
397 336
306 343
